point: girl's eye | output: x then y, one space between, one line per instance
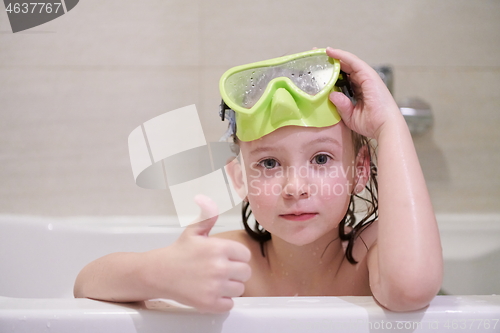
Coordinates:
269 163
321 159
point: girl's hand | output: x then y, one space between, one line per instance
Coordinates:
375 106
201 271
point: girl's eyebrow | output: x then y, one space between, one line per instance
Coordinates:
324 139
262 150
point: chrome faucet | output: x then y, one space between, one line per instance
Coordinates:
416 111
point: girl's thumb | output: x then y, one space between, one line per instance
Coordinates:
342 102
208 215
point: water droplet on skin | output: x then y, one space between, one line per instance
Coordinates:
50 226
48 324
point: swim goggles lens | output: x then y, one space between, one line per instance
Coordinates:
286 91
310 74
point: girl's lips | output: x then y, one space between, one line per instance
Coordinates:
299 217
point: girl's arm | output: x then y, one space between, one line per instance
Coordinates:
196 270
117 277
405 264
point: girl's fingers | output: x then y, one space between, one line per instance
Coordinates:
343 104
223 304
239 272
343 56
348 61
233 289
236 251
207 218
208 207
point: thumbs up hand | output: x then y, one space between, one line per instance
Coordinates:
198 270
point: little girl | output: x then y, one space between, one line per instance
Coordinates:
301 169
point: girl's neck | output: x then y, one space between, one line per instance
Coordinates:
311 262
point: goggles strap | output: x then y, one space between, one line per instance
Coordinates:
345 85
222 109
227 113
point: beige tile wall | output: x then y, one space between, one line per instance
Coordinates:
71 90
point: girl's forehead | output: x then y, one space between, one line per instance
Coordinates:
297 135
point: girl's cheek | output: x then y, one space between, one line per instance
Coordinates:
332 180
262 188
330 188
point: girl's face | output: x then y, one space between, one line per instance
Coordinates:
299 180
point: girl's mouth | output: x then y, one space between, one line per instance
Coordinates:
299 216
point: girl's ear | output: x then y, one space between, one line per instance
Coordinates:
236 172
362 166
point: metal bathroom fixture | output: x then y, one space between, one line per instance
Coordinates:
416 111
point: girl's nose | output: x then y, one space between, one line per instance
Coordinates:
296 187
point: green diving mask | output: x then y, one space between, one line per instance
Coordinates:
290 90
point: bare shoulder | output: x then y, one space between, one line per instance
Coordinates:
239 236
232 234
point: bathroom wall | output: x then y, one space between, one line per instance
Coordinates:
72 90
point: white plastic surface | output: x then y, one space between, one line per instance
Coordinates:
40 258
255 314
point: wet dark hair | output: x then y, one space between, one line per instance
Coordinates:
349 221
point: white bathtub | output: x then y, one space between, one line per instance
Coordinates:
40 258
